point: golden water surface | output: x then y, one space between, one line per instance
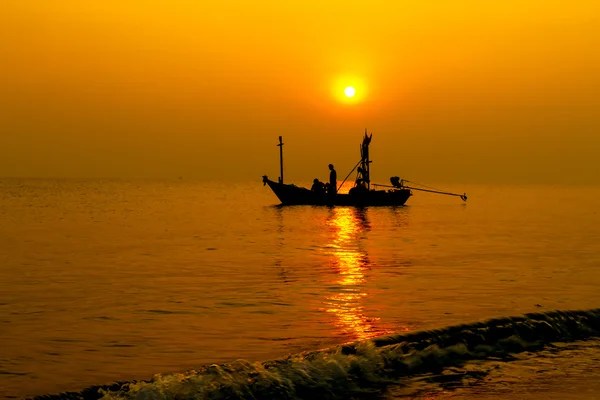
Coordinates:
117 280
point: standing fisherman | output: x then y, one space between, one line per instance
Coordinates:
332 181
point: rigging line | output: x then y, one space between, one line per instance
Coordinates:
346 178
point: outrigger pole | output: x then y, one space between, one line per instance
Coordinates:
462 196
280 159
402 185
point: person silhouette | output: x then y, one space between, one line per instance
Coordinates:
332 180
318 187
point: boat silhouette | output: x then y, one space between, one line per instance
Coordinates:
362 194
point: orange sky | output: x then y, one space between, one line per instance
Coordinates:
454 91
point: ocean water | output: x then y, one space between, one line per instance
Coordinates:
104 281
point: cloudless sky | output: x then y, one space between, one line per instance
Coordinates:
464 91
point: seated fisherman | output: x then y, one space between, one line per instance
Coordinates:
318 187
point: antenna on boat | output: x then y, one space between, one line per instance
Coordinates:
280 159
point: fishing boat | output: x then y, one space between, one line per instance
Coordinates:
363 193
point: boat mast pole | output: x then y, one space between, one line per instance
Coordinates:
280 159
365 170
367 161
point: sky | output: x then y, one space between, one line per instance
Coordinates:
461 91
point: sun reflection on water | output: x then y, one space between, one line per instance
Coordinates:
348 227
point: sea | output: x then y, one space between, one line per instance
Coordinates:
153 289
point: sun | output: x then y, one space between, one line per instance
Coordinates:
349 89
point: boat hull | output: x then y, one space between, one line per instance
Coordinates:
290 194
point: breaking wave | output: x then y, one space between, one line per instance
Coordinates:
359 369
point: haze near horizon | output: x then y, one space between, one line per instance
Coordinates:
462 91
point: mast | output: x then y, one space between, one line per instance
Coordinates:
365 163
363 174
280 159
